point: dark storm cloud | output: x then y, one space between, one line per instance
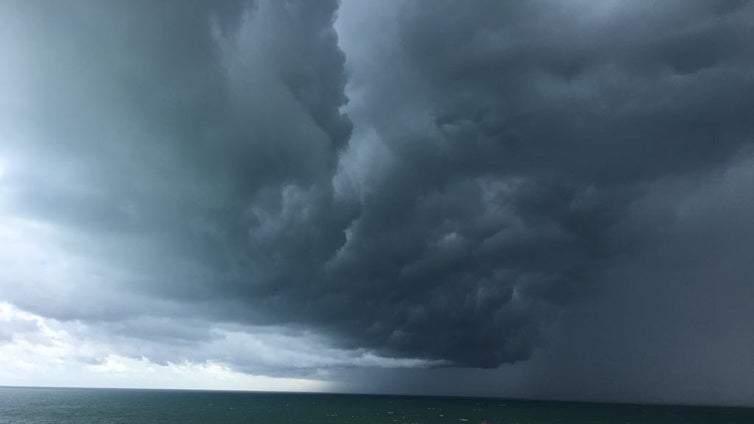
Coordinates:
141 135
518 136
200 157
554 91
672 316
151 122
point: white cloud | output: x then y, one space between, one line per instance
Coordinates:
52 353
46 352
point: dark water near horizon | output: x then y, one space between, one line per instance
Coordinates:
57 405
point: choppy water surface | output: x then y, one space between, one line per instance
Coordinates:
51 405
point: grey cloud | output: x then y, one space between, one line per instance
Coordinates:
200 157
12 327
502 102
153 126
519 136
672 316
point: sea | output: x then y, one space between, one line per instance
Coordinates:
62 406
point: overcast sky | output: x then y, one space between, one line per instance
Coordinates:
540 199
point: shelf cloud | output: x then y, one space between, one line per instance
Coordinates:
318 190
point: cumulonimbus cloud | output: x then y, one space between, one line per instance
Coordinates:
199 157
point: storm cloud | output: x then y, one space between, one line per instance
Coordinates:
394 184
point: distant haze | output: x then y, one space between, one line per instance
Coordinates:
540 199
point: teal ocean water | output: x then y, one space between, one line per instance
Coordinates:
62 406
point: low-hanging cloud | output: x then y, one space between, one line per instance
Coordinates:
195 161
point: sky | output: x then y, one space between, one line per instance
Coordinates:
542 199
